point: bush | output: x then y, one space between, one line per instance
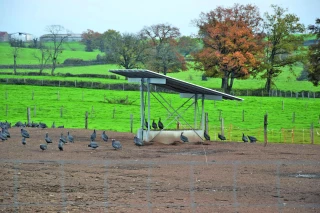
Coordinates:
73 61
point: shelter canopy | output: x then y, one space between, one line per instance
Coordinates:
184 88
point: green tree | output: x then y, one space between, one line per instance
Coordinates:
163 54
314 55
188 45
284 47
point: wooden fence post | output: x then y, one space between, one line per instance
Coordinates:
293 117
86 120
35 111
61 112
104 97
32 95
6 95
6 109
114 112
265 125
282 105
243 115
206 123
131 123
58 96
222 126
28 116
311 134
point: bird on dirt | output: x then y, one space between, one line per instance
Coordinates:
60 145
146 124
116 144
47 138
138 141
43 147
93 135
252 139
244 138
221 137
25 133
206 136
70 138
183 138
160 124
61 127
62 138
154 125
93 145
6 132
104 136
24 141
2 137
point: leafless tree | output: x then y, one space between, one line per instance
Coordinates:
15 52
43 57
58 35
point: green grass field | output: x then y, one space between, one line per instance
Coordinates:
74 102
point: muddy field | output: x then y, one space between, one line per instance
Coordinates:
201 177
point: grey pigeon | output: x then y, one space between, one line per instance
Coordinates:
160 124
183 138
61 127
116 144
93 145
154 125
104 136
63 139
47 138
43 147
25 133
70 138
252 139
93 135
244 138
60 145
24 141
2 137
5 131
138 141
206 136
221 137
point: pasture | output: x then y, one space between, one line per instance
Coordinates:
190 177
289 118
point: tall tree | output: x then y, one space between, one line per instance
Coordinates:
314 55
91 39
233 47
188 45
58 35
128 51
284 47
108 39
164 55
43 54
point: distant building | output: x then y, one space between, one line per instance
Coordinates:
70 37
21 36
4 36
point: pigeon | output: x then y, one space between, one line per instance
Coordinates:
61 127
47 138
137 141
116 144
252 139
93 145
70 138
93 135
154 125
25 133
5 131
183 138
244 138
43 147
104 136
221 137
63 139
2 136
60 145
146 124
24 141
160 124
206 136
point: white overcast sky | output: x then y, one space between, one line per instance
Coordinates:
32 16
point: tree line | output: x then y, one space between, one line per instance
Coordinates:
232 43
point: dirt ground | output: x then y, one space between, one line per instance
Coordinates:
191 177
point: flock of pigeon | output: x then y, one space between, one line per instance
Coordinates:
4 135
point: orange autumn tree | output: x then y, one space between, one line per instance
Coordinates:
233 48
